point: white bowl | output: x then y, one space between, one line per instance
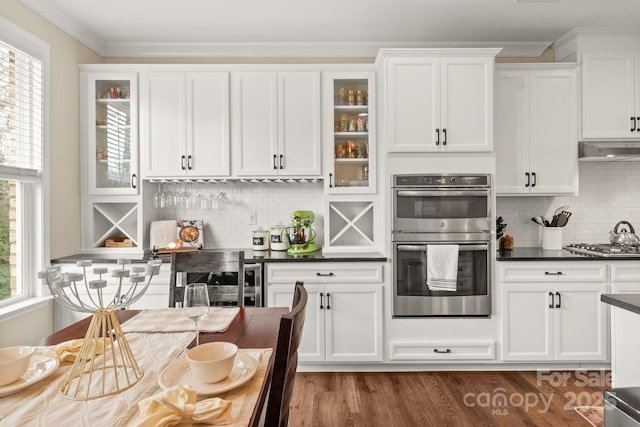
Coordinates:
14 362
212 362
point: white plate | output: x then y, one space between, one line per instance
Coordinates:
40 367
179 373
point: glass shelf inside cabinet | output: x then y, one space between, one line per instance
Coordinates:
351 224
116 222
113 134
351 133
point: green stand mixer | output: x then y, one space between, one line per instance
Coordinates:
301 235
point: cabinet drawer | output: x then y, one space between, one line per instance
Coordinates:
310 272
628 271
553 272
441 350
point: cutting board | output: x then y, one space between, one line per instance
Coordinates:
162 233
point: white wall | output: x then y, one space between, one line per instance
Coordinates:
29 327
609 192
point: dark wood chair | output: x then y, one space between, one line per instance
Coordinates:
205 263
285 361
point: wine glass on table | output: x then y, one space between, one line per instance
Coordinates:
196 304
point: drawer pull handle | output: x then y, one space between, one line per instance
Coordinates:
324 274
435 350
552 305
551 273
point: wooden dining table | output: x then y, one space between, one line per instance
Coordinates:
253 327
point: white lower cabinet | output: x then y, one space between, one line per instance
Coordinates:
343 321
553 317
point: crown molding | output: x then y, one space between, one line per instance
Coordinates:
305 50
58 17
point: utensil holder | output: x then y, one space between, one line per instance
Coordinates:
552 238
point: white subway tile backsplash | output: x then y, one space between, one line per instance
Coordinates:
272 203
609 192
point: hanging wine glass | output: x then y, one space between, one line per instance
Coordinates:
159 197
171 197
184 199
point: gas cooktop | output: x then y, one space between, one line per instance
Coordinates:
604 250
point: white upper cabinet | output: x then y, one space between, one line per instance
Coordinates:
185 124
110 135
437 100
349 132
276 123
611 95
536 129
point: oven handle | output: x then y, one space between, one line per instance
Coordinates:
463 247
442 193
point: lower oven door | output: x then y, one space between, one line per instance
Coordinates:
412 297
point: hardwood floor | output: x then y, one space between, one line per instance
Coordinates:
407 399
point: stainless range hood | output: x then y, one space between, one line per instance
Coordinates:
609 151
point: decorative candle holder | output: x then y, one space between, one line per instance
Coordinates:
105 364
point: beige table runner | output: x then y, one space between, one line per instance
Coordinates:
41 404
172 320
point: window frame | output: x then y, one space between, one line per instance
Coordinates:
34 197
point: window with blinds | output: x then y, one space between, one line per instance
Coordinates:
20 111
21 164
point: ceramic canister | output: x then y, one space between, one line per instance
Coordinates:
260 239
279 237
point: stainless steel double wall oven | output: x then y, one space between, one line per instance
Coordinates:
437 210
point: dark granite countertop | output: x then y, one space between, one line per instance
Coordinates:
629 302
250 256
539 254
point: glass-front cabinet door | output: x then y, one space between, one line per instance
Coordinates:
350 129
112 133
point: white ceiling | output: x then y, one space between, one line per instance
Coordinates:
321 28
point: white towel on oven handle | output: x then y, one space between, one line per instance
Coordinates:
442 267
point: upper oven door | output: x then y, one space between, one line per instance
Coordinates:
418 210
